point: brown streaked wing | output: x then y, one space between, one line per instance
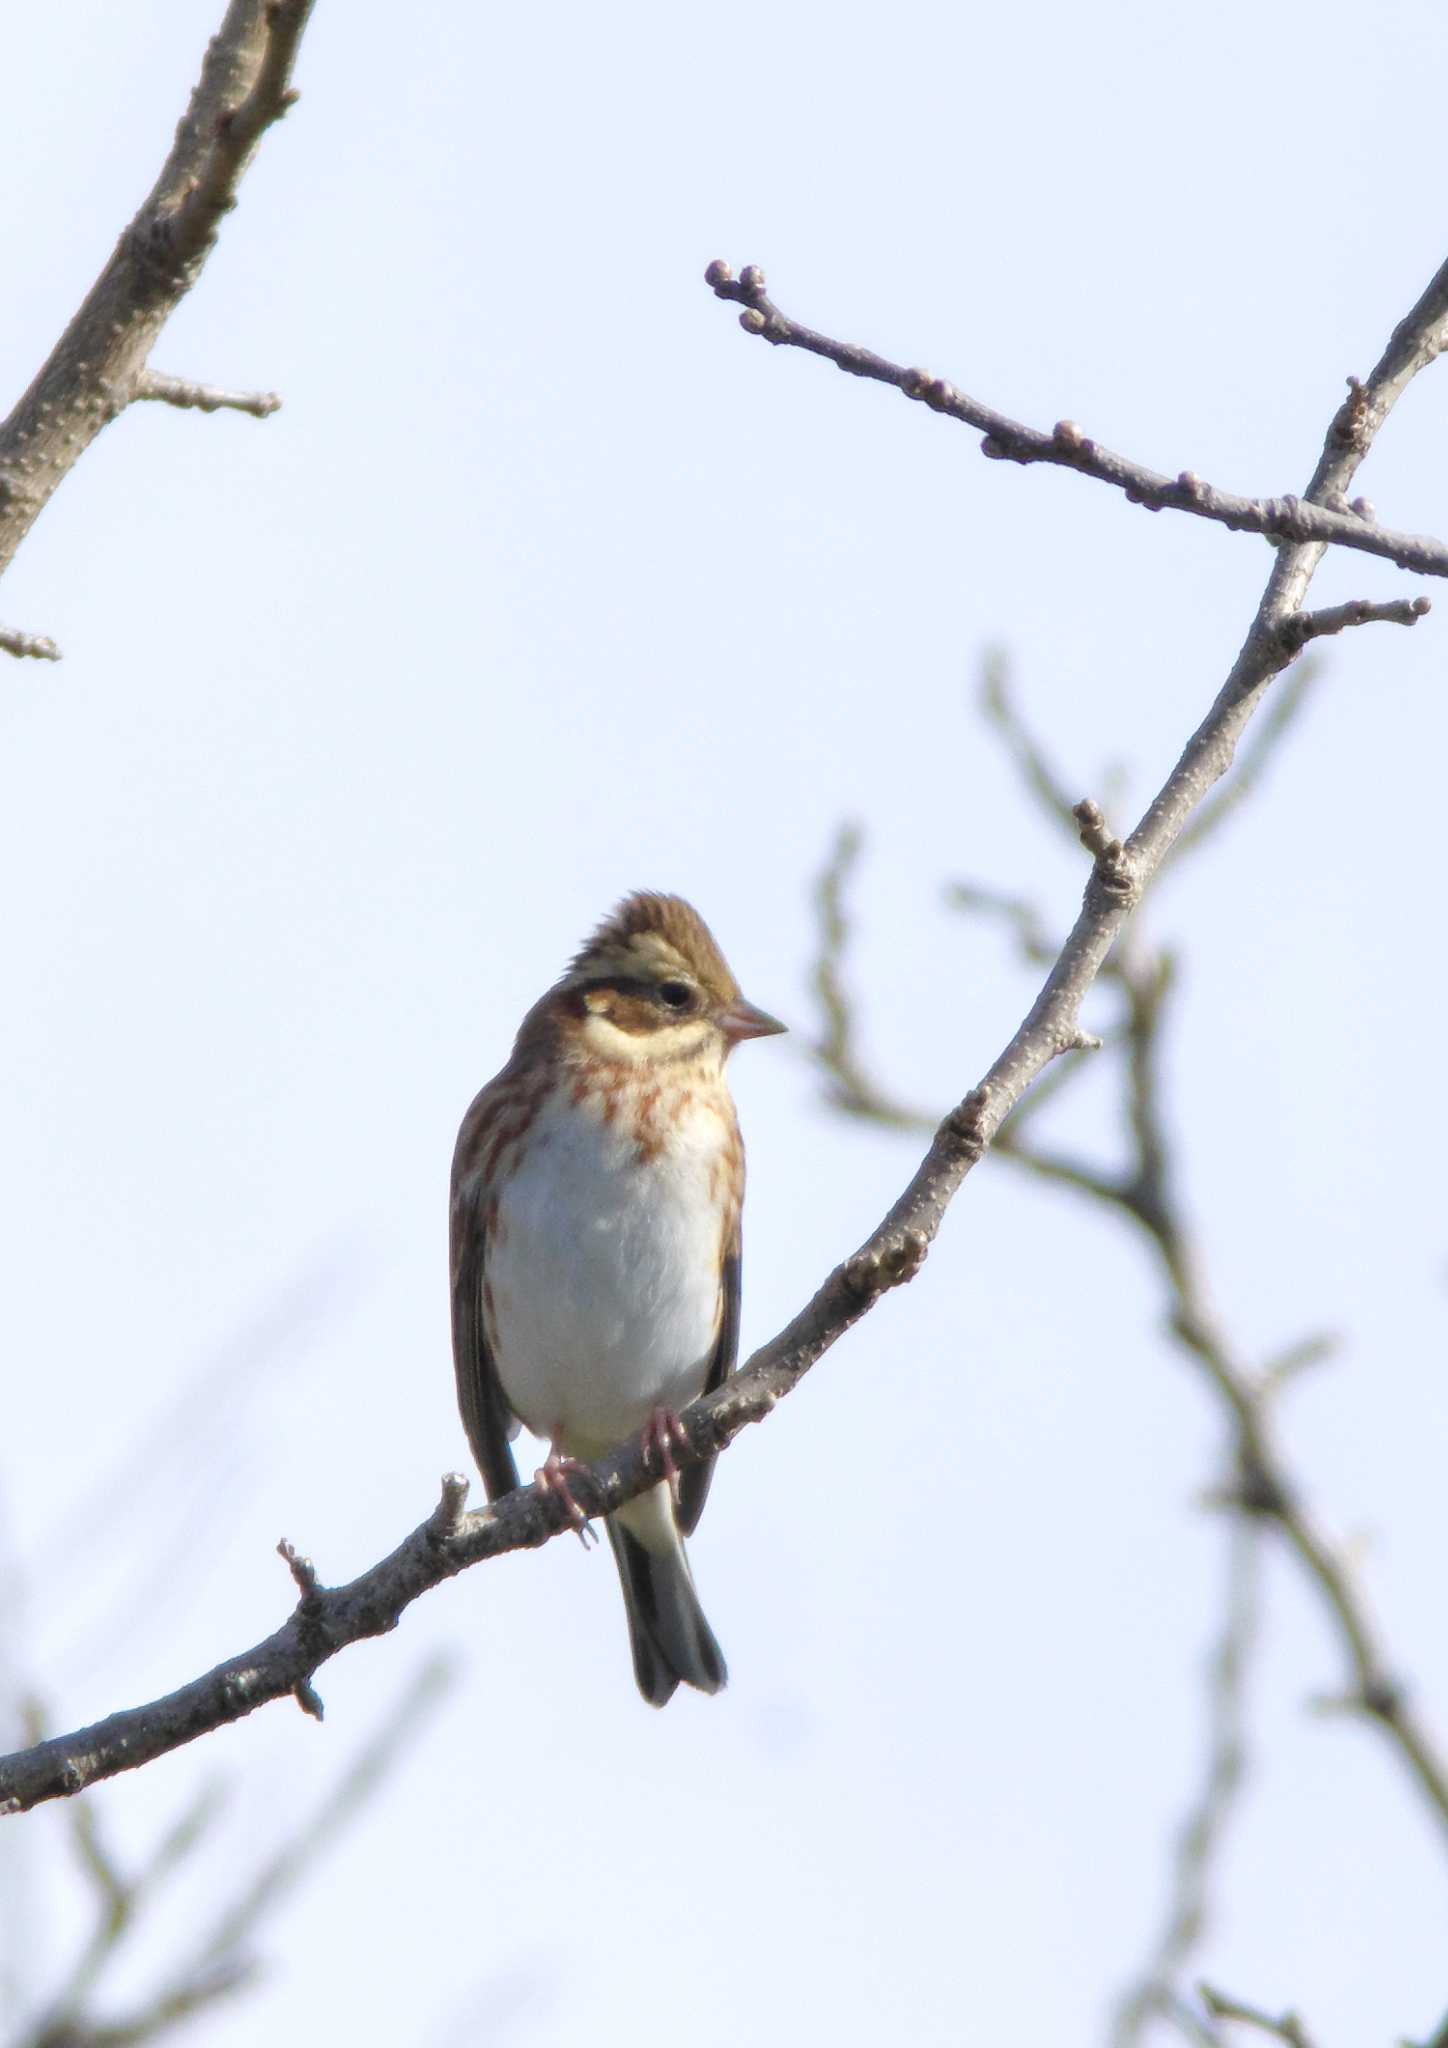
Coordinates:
694 1485
487 1418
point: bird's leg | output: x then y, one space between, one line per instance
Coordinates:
662 1434
551 1481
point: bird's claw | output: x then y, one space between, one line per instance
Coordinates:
551 1482
662 1433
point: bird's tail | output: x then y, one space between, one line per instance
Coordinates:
670 1638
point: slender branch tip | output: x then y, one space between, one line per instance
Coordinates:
28 646
188 395
303 1571
447 1516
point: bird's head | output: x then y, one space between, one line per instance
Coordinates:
652 985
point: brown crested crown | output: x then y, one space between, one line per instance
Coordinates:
643 933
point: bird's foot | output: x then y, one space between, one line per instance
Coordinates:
663 1433
550 1482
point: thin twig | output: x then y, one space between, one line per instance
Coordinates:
1203 1828
1285 2026
28 646
1036 772
180 391
1317 519
836 1051
1300 627
1022 919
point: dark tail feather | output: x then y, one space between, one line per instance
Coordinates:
670 1638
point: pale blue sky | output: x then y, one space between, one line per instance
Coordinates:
548 583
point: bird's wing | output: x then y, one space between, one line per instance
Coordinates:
487 1418
694 1485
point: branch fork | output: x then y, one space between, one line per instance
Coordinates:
101 365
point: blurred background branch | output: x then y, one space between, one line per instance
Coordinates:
223 1960
1259 1489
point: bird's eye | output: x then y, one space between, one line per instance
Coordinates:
677 994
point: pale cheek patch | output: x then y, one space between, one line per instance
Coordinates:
642 1048
605 1039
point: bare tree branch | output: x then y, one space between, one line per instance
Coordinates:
1202 1830
218 1964
1286 2026
1300 627
450 1540
179 391
1022 919
1037 773
849 1087
98 367
120 1900
1261 1488
28 646
1322 518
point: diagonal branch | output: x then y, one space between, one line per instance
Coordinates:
98 367
1322 518
1020 743
450 1540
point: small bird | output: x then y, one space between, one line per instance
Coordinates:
596 1192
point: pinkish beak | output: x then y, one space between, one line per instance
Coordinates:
743 1020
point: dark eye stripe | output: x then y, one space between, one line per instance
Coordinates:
636 987
635 1004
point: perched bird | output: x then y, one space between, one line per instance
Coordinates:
596 1191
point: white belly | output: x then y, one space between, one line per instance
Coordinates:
603 1275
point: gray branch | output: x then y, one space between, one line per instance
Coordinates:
1300 627
28 646
1323 517
180 391
329 1618
98 367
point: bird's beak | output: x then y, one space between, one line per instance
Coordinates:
743 1020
